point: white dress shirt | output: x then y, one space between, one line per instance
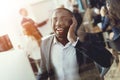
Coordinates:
64 61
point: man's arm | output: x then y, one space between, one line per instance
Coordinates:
42 74
85 44
93 49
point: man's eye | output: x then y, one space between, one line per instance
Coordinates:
66 19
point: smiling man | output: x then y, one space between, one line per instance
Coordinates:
61 21
60 57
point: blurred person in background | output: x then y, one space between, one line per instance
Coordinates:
89 27
69 4
114 16
110 18
31 38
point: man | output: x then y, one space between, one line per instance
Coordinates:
61 53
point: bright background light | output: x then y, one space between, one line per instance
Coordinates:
8 15
10 18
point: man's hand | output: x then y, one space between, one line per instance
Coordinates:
71 33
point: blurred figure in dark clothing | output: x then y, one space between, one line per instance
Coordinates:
97 3
77 15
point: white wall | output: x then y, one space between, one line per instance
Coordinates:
14 65
42 10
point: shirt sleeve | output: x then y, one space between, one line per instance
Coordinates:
74 43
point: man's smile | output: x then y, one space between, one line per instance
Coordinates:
59 30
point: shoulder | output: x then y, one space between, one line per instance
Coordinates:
47 37
46 42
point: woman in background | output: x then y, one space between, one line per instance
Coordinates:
112 19
113 7
31 39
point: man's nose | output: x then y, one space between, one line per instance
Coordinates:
59 22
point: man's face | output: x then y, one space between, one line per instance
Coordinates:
61 21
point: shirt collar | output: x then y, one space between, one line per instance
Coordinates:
55 41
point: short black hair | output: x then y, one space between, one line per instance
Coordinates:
75 5
71 13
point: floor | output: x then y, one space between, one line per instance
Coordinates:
114 72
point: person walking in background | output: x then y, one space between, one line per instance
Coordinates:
62 55
24 13
31 39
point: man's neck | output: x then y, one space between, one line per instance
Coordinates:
63 41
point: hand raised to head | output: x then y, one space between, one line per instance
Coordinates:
71 33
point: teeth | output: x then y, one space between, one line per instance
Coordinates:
59 28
